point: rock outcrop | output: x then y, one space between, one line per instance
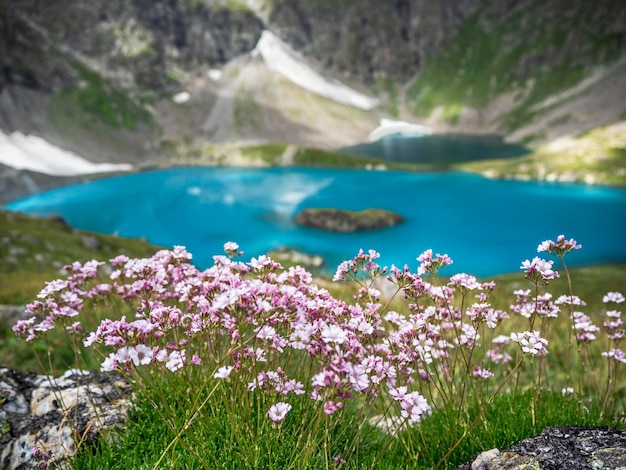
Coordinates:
559 448
44 418
143 43
338 220
370 39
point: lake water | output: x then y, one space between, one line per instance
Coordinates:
486 226
437 149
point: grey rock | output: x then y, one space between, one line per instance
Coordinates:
16 251
53 414
30 239
370 39
560 448
337 220
90 242
484 459
9 314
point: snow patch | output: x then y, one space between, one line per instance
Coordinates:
29 152
389 127
182 97
280 58
215 74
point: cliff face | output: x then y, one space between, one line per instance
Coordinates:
137 43
370 40
530 70
97 76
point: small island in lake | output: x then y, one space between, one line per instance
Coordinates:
339 220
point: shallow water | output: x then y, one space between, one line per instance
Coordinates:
486 226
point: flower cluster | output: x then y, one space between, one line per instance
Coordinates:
531 342
539 270
430 264
362 262
243 320
559 248
614 327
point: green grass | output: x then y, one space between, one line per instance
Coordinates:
33 250
101 102
598 156
269 153
313 157
217 442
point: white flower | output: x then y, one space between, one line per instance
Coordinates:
333 334
140 355
223 372
278 411
530 342
266 332
616 297
176 360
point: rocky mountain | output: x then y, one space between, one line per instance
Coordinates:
155 81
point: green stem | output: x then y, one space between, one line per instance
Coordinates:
478 416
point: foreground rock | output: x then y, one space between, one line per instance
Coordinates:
338 220
54 415
559 448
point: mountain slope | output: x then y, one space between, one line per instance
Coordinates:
528 69
150 82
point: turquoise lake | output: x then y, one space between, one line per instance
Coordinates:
486 226
437 149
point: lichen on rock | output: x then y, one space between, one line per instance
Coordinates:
55 414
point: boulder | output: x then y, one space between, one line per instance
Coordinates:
44 418
339 220
556 448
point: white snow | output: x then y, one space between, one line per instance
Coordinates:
182 97
215 74
29 152
282 59
389 127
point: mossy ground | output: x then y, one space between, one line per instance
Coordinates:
596 157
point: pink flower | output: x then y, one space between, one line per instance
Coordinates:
431 265
465 281
616 297
413 405
560 247
481 373
585 329
616 354
570 300
231 249
266 332
330 407
278 411
358 377
52 287
538 269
